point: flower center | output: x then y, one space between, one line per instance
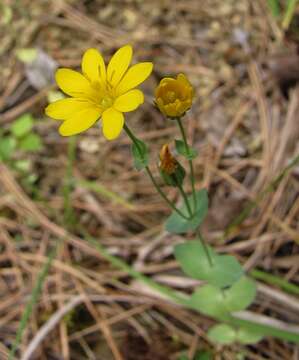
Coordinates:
102 94
106 101
170 97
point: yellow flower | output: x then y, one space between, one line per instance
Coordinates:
174 96
99 92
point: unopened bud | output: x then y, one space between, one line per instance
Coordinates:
171 170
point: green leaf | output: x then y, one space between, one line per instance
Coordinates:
224 271
222 334
23 165
22 125
246 336
181 149
178 225
213 301
7 147
193 259
140 154
31 142
225 334
240 295
208 299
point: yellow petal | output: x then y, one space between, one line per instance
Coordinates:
63 109
113 122
80 121
119 64
93 65
72 82
135 76
129 101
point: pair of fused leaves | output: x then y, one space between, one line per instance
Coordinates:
213 301
223 271
228 289
225 334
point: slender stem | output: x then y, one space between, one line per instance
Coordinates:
193 184
163 195
190 161
131 136
156 185
204 245
184 197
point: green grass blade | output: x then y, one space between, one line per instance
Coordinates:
102 190
33 300
289 13
274 7
275 280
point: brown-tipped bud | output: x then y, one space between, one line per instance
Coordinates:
168 163
171 170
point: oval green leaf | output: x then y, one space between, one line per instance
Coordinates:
222 334
192 257
246 336
140 154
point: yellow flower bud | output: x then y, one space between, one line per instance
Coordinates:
174 96
168 163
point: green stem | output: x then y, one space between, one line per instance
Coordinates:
156 185
132 136
163 195
189 161
204 245
193 184
181 299
184 197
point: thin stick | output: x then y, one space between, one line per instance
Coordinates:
50 325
